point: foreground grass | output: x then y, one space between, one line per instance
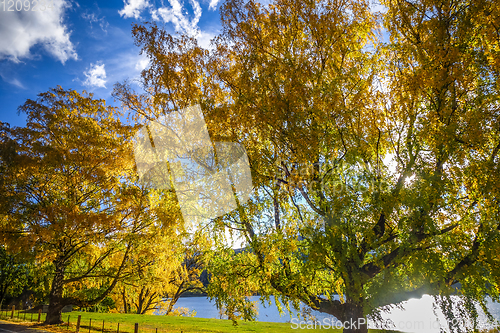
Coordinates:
108 322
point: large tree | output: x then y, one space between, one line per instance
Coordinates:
375 165
67 183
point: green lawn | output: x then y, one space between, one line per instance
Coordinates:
162 324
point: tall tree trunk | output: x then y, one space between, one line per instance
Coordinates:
55 297
140 301
124 301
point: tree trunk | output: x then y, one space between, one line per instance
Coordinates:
147 299
354 319
124 301
55 297
170 306
140 301
350 314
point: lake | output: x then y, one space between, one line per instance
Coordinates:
417 315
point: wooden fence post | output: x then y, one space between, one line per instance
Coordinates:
90 324
102 326
78 323
39 314
118 328
136 328
12 313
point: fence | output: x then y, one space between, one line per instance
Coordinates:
74 323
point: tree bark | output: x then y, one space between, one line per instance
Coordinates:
350 313
140 301
124 301
55 297
354 320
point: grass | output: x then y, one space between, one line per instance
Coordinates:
152 324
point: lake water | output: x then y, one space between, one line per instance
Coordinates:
417 316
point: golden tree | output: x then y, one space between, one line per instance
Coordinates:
375 165
167 263
69 196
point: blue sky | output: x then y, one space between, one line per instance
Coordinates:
84 45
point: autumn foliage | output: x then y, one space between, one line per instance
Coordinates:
373 141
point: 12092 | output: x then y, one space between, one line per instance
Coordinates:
26 5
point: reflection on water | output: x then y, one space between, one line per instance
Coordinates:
417 316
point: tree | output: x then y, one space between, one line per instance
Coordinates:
14 274
375 166
186 278
68 197
151 262
12 270
165 267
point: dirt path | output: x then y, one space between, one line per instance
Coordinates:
6 327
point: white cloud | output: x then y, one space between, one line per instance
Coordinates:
142 63
122 66
178 16
376 6
204 39
93 18
21 30
12 81
133 8
213 4
154 15
17 83
95 75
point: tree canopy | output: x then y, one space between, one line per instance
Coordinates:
373 142
68 201
375 163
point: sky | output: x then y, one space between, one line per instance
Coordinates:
84 45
